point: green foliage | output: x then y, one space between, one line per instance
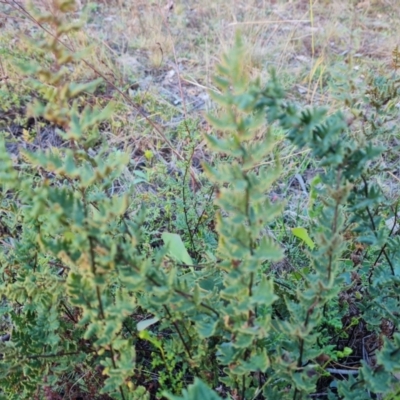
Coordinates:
198 390
82 289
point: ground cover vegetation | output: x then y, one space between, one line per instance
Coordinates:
199 200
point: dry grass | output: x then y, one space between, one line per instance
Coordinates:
302 39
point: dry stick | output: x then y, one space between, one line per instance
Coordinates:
269 21
15 5
194 83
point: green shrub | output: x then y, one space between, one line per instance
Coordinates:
85 300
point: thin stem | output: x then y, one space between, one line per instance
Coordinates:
243 387
178 331
185 210
371 218
384 246
251 245
71 317
195 230
93 269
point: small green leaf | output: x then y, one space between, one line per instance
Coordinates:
302 234
345 353
176 248
142 325
145 335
